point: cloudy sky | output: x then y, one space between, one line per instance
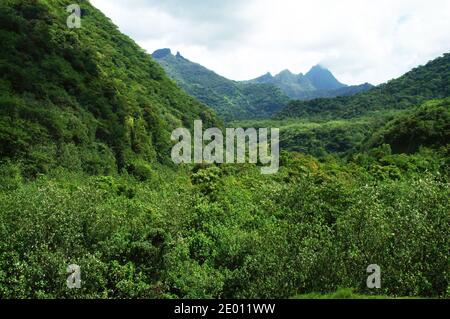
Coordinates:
358 40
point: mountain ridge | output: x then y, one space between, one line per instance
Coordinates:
230 99
322 79
258 98
430 81
318 82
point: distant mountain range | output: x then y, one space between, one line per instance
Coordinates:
431 81
319 82
230 99
258 98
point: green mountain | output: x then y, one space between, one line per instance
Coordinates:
85 117
318 82
255 99
431 81
294 85
230 99
87 99
348 125
323 79
344 91
406 131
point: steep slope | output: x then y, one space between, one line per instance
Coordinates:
231 100
344 91
87 99
294 85
317 83
431 81
323 79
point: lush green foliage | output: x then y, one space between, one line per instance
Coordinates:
405 131
431 81
229 232
342 293
231 100
345 91
338 137
427 125
85 98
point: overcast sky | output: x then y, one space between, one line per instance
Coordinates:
358 40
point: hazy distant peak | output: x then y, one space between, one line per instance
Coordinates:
264 78
323 79
286 72
318 82
161 53
318 69
287 76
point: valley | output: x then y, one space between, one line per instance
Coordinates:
86 176
259 98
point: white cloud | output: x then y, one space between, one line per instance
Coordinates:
359 40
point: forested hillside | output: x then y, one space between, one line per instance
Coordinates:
86 99
427 125
406 131
230 99
345 91
431 81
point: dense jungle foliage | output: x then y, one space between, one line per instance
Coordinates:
229 232
85 122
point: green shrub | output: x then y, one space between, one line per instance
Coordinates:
142 170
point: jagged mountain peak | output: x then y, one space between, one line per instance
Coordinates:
286 72
230 99
322 78
318 82
161 53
